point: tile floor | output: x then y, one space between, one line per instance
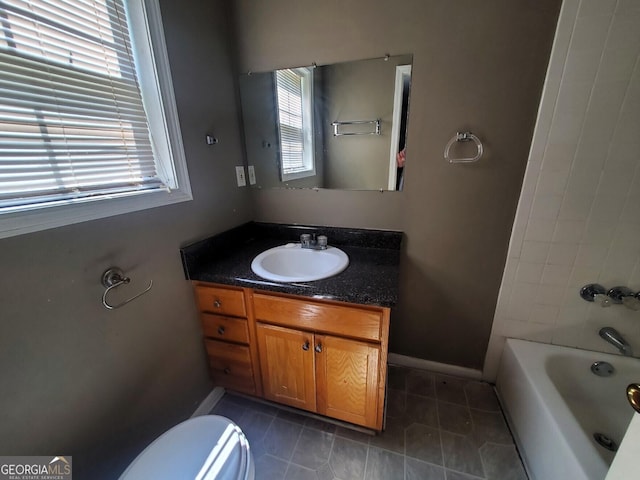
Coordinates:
438 428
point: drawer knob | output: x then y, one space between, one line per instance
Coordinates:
227 371
221 330
318 348
305 347
217 303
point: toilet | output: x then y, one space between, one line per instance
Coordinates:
203 448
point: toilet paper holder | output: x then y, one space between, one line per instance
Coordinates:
113 278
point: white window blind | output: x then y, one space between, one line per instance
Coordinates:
72 122
295 115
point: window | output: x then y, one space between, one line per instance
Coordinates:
88 124
294 93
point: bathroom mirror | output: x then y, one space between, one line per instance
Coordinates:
339 126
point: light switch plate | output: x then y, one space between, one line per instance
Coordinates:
252 175
240 176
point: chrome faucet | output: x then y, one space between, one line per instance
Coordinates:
612 336
310 241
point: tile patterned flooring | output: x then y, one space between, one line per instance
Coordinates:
438 428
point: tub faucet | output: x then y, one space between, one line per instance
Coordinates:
612 336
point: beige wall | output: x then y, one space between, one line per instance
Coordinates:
477 66
76 377
577 220
359 91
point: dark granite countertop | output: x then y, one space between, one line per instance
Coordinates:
370 279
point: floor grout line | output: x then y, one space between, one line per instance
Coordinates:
482 427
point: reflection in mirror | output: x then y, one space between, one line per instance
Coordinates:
340 126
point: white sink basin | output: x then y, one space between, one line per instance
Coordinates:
291 263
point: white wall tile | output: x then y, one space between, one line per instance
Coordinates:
614 182
626 6
596 7
590 33
591 255
550 295
556 275
559 157
551 182
582 65
607 207
631 211
576 206
579 221
546 314
582 275
569 231
624 30
592 152
599 232
574 98
616 66
562 254
583 181
546 206
529 272
626 237
566 128
534 252
623 154
539 230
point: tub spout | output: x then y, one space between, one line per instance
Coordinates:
612 336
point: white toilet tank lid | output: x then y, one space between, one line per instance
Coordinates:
203 448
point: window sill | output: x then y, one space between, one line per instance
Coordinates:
20 223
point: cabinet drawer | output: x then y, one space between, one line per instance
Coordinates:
319 317
225 328
230 366
224 301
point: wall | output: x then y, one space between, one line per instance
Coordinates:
83 381
477 66
577 221
359 91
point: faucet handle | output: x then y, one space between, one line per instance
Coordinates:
603 299
631 302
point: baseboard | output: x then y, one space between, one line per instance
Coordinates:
444 368
209 402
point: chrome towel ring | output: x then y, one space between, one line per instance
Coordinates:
113 278
463 137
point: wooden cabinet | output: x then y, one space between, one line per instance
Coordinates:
287 364
321 356
325 357
232 355
347 379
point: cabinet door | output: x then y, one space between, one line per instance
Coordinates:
347 379
287 364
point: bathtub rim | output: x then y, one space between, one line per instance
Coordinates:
553 408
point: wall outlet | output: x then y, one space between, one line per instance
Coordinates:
252 175
240 176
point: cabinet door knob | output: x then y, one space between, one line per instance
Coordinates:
217 303
305 346
227 371
220 330
318 348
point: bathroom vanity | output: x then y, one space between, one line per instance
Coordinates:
318 346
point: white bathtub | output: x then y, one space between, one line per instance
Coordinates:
554 404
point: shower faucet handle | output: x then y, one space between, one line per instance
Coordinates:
603 299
